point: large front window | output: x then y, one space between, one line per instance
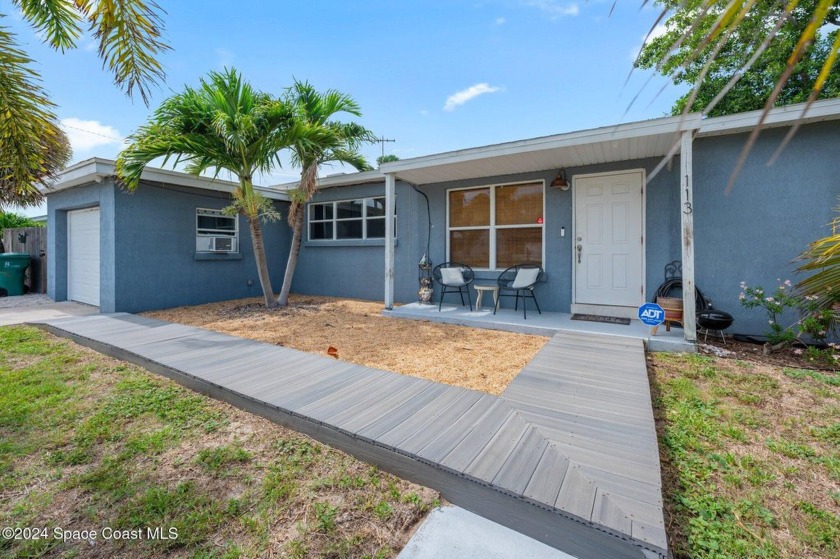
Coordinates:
495 227
348 219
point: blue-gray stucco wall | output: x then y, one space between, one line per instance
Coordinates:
751 235
772 213
147 248
357 268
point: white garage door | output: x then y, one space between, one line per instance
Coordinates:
83 256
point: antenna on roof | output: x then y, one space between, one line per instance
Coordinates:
382 141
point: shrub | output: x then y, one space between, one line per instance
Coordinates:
815 321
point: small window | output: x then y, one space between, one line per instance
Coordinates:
216 231
359 219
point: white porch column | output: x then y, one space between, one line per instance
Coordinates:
390 187
687 234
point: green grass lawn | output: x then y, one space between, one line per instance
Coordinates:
88 443
751 457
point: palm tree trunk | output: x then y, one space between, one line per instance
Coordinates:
308 183
262 264
291 263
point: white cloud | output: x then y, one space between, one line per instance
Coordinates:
657 31
500 21
553 8
465 95
84 135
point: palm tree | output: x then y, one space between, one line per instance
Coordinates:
223 125
319 140
823 256
32 146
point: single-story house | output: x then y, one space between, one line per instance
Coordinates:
639 196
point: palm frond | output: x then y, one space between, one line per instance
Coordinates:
825 71
805 40
224 124
130 35
823 257
58 21
726 48
32 146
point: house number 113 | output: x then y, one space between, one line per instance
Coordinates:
688 209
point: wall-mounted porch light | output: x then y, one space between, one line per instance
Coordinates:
560 180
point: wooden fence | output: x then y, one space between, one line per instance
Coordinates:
33 241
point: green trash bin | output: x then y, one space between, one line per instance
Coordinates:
12 268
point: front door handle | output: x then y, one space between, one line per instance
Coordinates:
579 250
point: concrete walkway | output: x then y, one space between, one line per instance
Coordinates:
38 307
454 533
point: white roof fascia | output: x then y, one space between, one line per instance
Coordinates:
827 109
96 169
89 170
667 125
341 179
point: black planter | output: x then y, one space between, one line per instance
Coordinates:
714 320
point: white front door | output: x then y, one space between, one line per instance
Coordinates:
83 256
608 244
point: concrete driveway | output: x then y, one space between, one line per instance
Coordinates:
35 306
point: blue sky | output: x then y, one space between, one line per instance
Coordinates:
435 76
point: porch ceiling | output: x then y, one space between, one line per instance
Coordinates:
653 138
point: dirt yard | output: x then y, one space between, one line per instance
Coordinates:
483 360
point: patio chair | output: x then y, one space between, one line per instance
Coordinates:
454 278
519 281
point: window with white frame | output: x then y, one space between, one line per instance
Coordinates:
216 231
495 227
363 218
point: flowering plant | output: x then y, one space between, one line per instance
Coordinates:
774 305
814 319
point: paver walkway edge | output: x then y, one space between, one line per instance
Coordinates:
567 476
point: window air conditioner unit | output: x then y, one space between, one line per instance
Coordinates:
216 244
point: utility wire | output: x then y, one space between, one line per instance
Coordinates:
91 132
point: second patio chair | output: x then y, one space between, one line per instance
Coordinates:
519 281
454 278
